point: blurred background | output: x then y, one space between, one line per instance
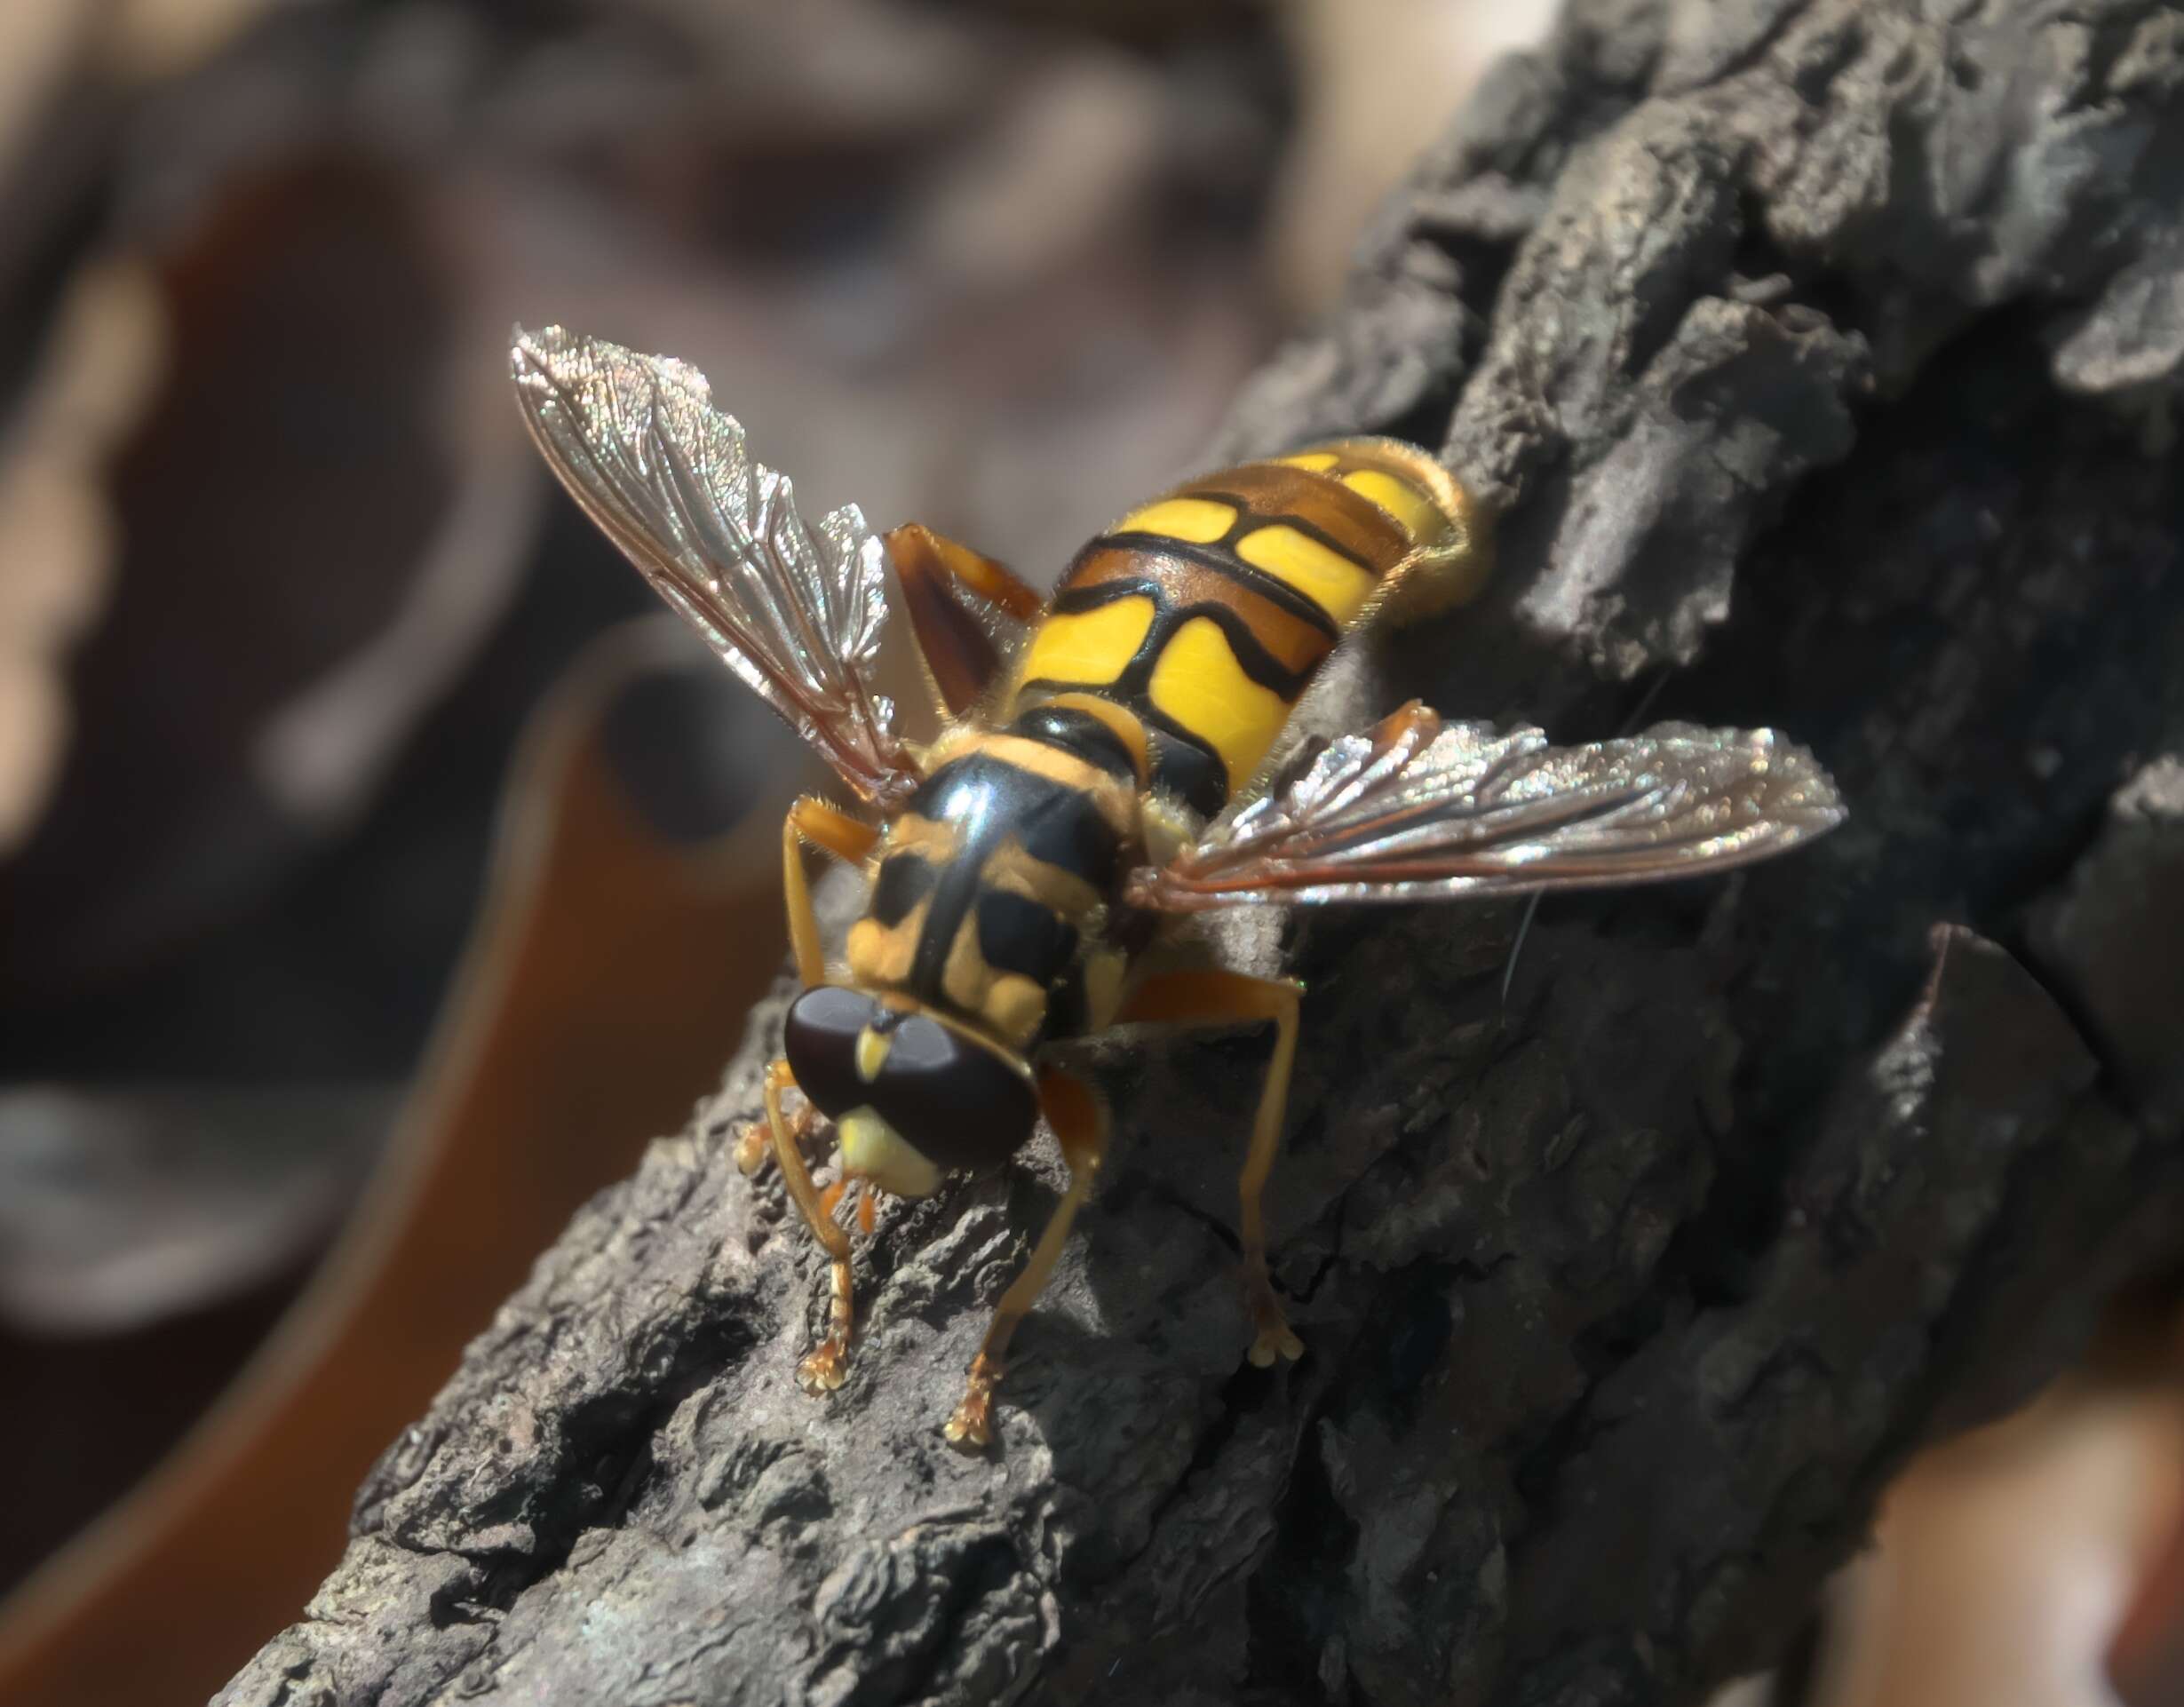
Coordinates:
378 870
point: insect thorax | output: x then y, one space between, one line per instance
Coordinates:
995 886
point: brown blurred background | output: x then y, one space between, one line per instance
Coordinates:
377 871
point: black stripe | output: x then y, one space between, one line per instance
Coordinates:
1080 735
1249 520
1229 566
1068 1008
953 898
1068 830
905 879
1183 764
1196 772
1016 933
1258 664
988 800
1071 601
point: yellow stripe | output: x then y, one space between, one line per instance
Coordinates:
1013 869
1055 764
1199 683
1318 461
1103 985
1328 579
1120 719
1008 1002
1107 792
1419 514
927 836
1198 522
879 956
1090 646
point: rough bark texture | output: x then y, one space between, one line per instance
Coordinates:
1825 353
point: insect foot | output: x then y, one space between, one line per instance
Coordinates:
822 1371
752 1146
1274 1337
969 1426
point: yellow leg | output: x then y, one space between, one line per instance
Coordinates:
956 646
755 1142
810 822
826 1367
814 822
1215 998
1079 1120
991 581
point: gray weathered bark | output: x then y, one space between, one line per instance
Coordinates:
1825 353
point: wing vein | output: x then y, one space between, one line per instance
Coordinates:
1418 809
668 477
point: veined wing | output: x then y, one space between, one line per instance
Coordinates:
795 612
1418 809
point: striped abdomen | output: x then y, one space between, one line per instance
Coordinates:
1207 613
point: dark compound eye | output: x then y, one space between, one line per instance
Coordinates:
819 1037
962 1104
959 1103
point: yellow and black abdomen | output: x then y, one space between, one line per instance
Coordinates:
1207 613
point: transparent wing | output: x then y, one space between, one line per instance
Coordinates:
1418 809
796 613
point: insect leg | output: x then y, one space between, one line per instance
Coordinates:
812 822
755 1142
1079 1118
992 581
824 1369
957 647
1217 997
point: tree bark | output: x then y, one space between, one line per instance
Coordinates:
1819 360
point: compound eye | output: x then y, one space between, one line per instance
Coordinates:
964 1105
957 1102
819 1037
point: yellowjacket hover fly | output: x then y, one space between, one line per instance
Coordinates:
1104 765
